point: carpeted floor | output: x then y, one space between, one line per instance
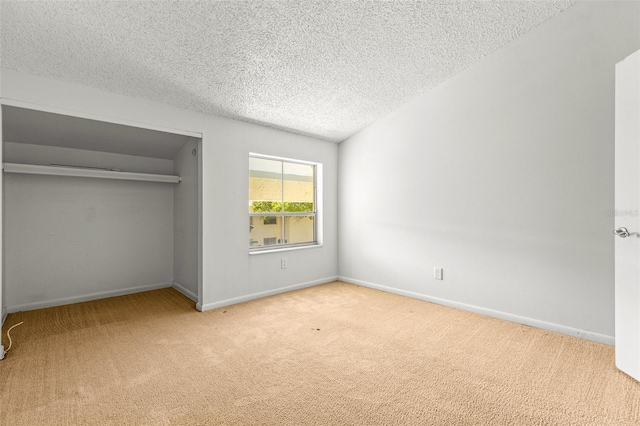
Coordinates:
335 354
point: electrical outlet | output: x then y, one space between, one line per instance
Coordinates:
283 263
438 273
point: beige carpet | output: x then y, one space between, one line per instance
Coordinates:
335 354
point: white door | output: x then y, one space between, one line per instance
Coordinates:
627 216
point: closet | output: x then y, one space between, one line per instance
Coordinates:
96 209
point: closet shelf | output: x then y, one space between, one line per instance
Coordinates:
91 173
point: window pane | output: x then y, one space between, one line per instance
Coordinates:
298 187
265 185
265 231
299 229
270 220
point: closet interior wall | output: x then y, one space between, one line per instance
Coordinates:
70 239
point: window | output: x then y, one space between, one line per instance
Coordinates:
282 203
270 220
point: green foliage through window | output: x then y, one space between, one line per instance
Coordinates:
276 207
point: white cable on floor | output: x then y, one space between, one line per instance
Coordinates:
9 336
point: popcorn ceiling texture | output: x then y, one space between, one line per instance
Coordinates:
320 68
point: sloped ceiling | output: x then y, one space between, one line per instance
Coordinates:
320 68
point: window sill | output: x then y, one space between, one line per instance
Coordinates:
281 249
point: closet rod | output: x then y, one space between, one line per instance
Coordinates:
92 173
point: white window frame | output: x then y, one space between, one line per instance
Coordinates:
317 214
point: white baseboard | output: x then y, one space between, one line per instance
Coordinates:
4 317
182 289
570 331
253 296
85 297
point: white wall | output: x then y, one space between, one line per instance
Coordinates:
185 223
68 239
228 273
240 274
3 310
502 175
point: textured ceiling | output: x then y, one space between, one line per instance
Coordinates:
320 68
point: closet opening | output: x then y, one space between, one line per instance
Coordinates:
94 209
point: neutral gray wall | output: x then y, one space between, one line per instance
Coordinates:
3 310
240 274
229 274
502 175
185 223
68 239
